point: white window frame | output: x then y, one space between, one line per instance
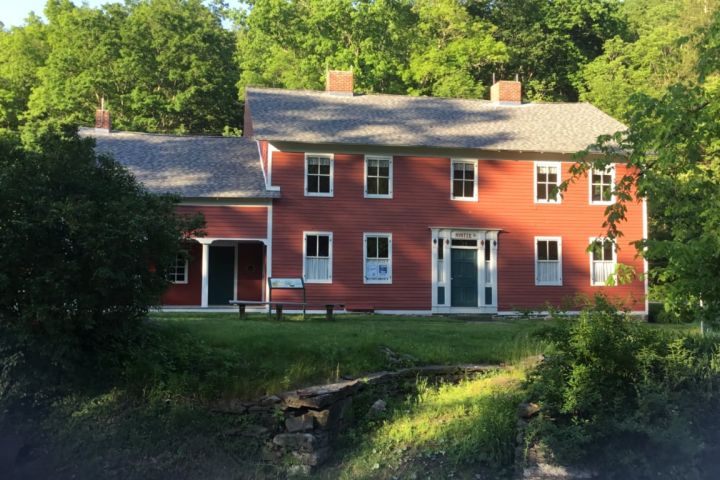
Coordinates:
365 258
614 262
560 261
330 256
612 186
329 156
453 161
538 164
186 267
390 176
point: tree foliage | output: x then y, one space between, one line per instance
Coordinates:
160 66
85 248
672 147
630 401
658 49
550 42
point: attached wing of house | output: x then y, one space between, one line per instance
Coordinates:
392 203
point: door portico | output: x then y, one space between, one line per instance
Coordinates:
464 270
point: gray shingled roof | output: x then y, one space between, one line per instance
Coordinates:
394 120
189 166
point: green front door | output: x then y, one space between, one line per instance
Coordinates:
221 275
463 277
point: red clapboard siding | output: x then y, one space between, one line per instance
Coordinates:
251 258
231 221
422 200
182 294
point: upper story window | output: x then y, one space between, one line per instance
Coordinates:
318 175
378 176
548 261
547 179
601 186
464 180
378 258
317 261
178 271
602 260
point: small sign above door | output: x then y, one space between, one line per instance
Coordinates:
464 235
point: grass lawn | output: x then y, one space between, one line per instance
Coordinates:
261 356
150 419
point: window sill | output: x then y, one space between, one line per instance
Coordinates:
377 282
308 194
611 202
369 195
548 284
318 281
464 199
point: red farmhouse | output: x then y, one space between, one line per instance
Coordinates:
392 203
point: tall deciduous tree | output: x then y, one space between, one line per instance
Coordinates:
291 43
84 45
673 148
657 51
161 65
23 50
176 71
393 46
452 52
550 41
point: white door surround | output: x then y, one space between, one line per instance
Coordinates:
485 241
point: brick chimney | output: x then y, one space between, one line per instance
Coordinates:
102 117
339 82
508 92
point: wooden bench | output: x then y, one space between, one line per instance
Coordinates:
243 304
279 306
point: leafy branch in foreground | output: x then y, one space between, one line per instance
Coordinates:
672 151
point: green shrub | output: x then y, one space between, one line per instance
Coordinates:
84 249
624 398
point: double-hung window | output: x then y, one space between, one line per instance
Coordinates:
378 258
464 180
547 179
601 186
178 271
602 260
318 175
378 176
548 261
317 262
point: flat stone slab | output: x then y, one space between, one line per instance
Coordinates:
429 370
321 396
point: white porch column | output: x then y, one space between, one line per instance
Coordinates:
205 270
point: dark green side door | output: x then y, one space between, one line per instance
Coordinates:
221 275
463 278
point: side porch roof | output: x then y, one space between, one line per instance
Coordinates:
190 166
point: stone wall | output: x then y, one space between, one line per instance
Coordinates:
314 416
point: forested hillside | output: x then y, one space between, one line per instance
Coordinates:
182 65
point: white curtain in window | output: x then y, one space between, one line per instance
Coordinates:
548 272
601 271
317 268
